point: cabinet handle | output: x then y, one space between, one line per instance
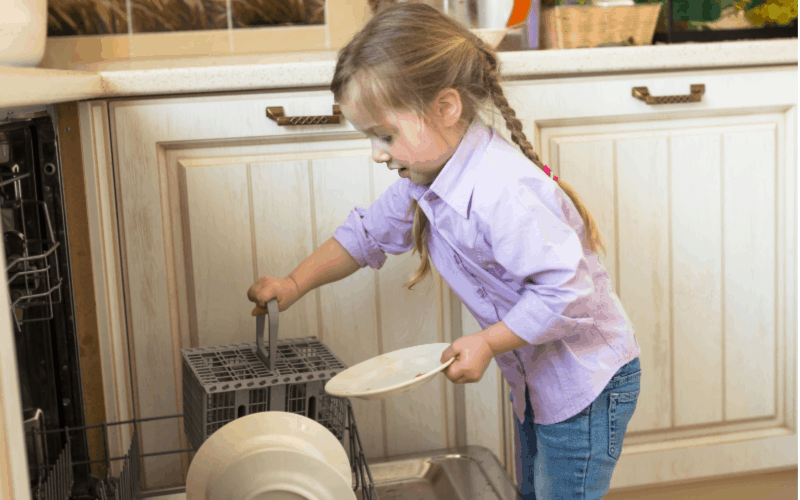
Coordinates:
696 94
276 114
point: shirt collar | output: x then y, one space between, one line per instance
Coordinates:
456 181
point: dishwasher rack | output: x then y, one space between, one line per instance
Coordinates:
57 482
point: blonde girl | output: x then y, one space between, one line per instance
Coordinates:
518 247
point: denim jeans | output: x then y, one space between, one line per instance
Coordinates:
574 459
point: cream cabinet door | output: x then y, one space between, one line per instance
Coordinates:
697 203
204 196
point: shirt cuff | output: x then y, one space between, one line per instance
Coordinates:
352 235
532 321
530 318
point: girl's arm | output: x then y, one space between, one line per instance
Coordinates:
362 240
329 263
501 339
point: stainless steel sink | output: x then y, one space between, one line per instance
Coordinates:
468 473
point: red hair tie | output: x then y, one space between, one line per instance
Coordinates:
547 171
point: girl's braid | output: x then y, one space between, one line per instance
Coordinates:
513 123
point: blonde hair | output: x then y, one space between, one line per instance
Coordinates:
403 58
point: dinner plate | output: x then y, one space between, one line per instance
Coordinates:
390 374
259 431
278 474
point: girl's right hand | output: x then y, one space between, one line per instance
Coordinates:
267 288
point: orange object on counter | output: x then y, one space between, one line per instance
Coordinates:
519 13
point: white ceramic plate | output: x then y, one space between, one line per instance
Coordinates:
276 474
390 374
260 431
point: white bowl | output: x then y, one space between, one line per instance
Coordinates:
390 374
271 430
280 475
492 37
23 32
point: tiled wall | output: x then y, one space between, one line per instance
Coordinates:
101 17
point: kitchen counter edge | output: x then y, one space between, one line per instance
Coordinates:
34 86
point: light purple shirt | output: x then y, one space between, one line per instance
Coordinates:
506 240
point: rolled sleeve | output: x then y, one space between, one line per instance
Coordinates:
544 254
369 234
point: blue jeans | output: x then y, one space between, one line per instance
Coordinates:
574 459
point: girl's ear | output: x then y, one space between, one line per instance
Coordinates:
447 108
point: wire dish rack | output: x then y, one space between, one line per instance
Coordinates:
57 482
34 279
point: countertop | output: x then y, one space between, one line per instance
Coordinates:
34 86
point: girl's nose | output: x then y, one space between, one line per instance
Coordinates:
379 155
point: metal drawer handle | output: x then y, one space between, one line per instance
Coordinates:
696 95
276 114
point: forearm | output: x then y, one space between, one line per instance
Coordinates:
329 263
501 339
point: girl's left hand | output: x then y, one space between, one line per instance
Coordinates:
473 355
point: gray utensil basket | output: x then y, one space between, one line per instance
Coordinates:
223 383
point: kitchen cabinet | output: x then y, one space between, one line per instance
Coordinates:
192 198
697 202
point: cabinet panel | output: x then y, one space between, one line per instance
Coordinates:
589 166
696 210
217 216
644 278
281 191
750 272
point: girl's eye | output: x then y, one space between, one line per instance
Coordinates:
387 139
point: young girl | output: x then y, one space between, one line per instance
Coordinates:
517 247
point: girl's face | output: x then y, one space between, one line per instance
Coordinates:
417 150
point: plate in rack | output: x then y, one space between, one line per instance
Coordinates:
269 430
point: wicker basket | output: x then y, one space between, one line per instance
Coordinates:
576 26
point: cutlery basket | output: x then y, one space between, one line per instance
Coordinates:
223 383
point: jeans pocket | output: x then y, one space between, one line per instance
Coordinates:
620 410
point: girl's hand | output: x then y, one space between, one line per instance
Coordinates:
267 288
473 355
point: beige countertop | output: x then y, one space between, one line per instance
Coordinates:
32 86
